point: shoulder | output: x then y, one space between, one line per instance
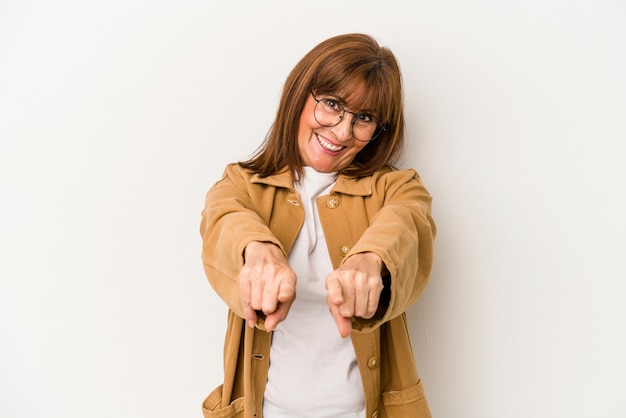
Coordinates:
234 170
390 174
397 182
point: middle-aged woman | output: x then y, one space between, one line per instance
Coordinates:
318 246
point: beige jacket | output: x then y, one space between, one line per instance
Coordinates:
388 213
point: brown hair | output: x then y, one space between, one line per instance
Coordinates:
336 66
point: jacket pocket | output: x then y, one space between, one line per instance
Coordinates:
212 406
409 402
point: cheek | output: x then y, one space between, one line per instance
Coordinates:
302 123
306 117
358 146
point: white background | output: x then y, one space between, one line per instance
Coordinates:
117 116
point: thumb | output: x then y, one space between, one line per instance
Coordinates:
334 291
286 293
343 324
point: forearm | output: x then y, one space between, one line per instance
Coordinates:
229 222
402 233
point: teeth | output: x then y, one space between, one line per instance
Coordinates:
328 145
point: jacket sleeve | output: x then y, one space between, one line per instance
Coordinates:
229 223
402 233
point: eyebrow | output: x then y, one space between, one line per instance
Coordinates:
343 102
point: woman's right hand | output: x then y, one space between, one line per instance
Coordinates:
267 284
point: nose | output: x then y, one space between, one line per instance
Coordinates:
343 130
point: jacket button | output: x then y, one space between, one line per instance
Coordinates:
372 362
344 250
375 414
332 203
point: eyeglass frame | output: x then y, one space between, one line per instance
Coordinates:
380 128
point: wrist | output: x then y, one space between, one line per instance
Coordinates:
369 258
261 249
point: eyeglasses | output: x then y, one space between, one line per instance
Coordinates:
329 112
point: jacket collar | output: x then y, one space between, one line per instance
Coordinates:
282 179
344 184
353 186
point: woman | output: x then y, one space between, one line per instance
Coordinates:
318 246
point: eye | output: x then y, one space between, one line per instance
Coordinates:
365 118
333 105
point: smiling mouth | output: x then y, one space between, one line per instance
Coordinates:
327 145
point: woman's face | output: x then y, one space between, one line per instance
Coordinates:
327 149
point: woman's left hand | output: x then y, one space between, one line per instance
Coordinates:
354 289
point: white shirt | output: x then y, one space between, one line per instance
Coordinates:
313 371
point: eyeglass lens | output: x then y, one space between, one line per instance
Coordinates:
329 112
